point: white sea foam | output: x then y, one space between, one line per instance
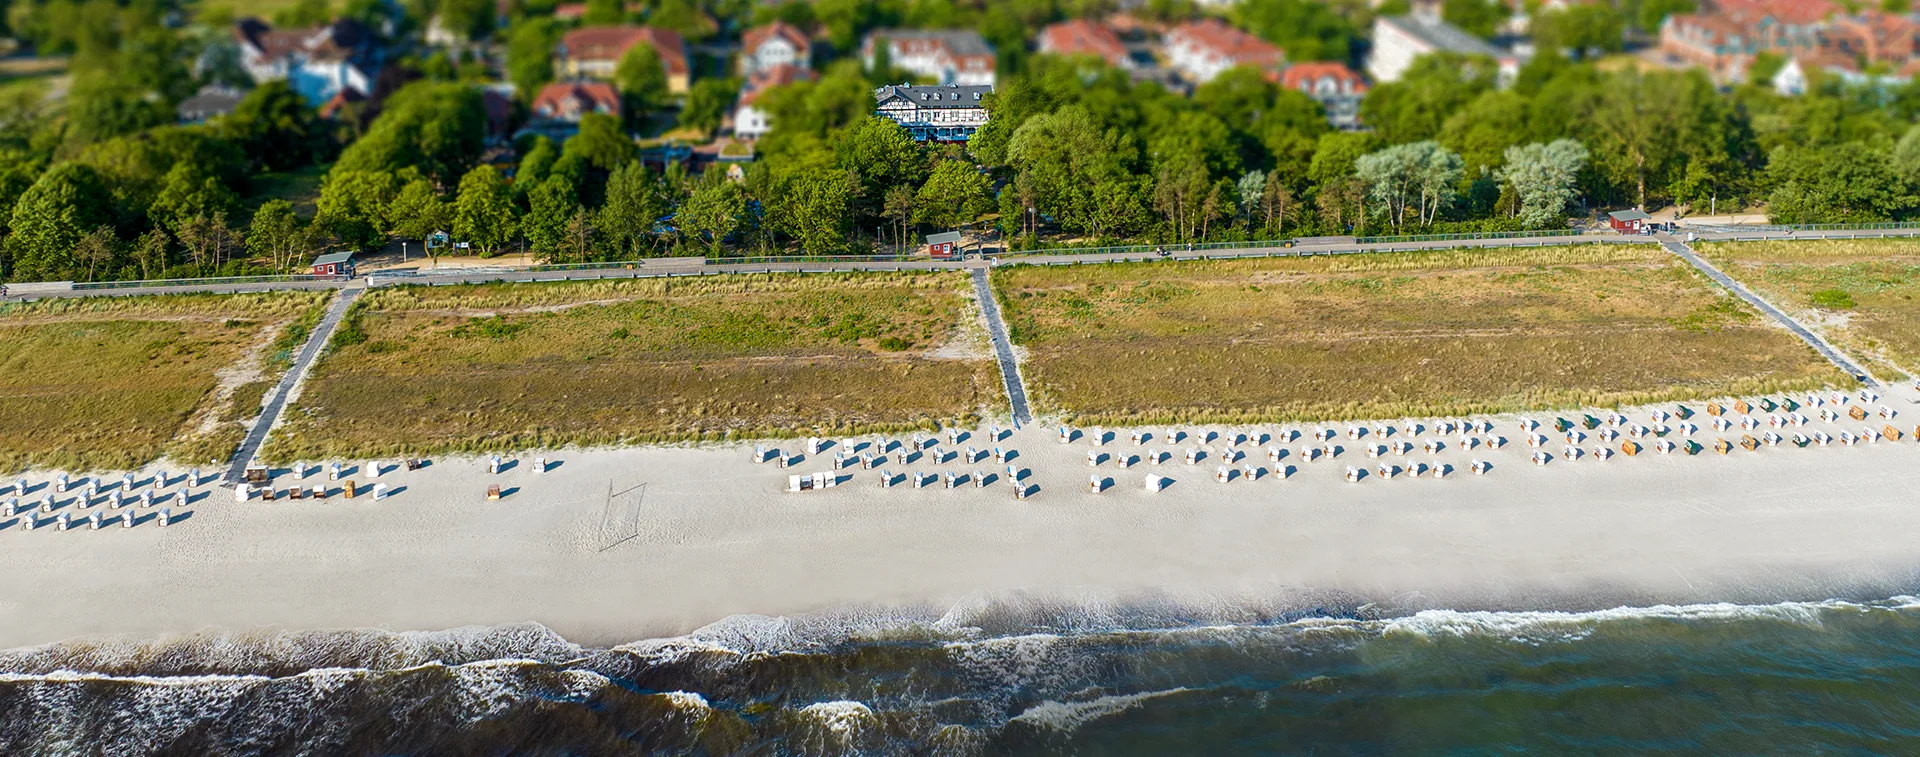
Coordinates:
841 718
1068 716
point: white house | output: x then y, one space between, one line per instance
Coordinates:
316 62
1200 50
777 44
947 57
1398 40
749 120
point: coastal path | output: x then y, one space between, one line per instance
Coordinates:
277 399
1002 348
1726 282
694 267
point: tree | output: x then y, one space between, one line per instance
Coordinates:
98 249
188 191
483 210
1062 156
713 210
1248 190
601 143
811 201
530 55
1848 183
1544 177
277 234
1335 154
551 205
604 13
1306 29
436 127
64 204
209 241
1417 105
884 156
535 164
633 205
150 252
1420 175
1183 192
897 207
417 211
353 207
953 196
275 127
1275 199
707 104
642 79
580 232
472 20
1484 130
1480 17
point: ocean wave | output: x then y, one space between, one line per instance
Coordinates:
1067 717
972 678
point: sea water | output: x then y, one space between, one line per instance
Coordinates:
1000 676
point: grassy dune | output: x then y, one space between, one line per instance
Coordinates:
115 383
1877 319
1408 334
508 366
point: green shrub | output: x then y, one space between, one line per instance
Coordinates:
1833 299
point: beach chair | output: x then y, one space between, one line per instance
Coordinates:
1665 446
1857 413
1741 407
1893 434
1714 409
1749 443
1353 475
493 490
1772 439
1603 453
1480 467
1094 484
1540 458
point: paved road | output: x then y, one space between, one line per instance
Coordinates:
1002 348
277 401
660 268
1820 345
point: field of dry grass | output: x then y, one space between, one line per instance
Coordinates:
1391 335
1877 319
119 382
515 366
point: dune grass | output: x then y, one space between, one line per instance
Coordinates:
1404 334
1860 293
117 383
517 366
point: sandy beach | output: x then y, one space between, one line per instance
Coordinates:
703 533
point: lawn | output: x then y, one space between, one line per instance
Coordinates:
1388 335
1858 292
116 383
517 366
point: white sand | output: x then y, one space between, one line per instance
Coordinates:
718 536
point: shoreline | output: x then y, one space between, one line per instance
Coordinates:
708 536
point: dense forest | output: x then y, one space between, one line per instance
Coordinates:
102 183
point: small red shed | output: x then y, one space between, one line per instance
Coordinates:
944 246
334 264
1629 221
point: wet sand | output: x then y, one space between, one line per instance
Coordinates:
703 533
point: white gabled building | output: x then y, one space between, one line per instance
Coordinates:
946 57
950 113
777 44
1398 40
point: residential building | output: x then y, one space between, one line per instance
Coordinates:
1398 40
950 113
569 101
763 48
1874 37
595 52
1723 36
749 120
946 57
1200 50
1085 37
1337 88
316 62
212 101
